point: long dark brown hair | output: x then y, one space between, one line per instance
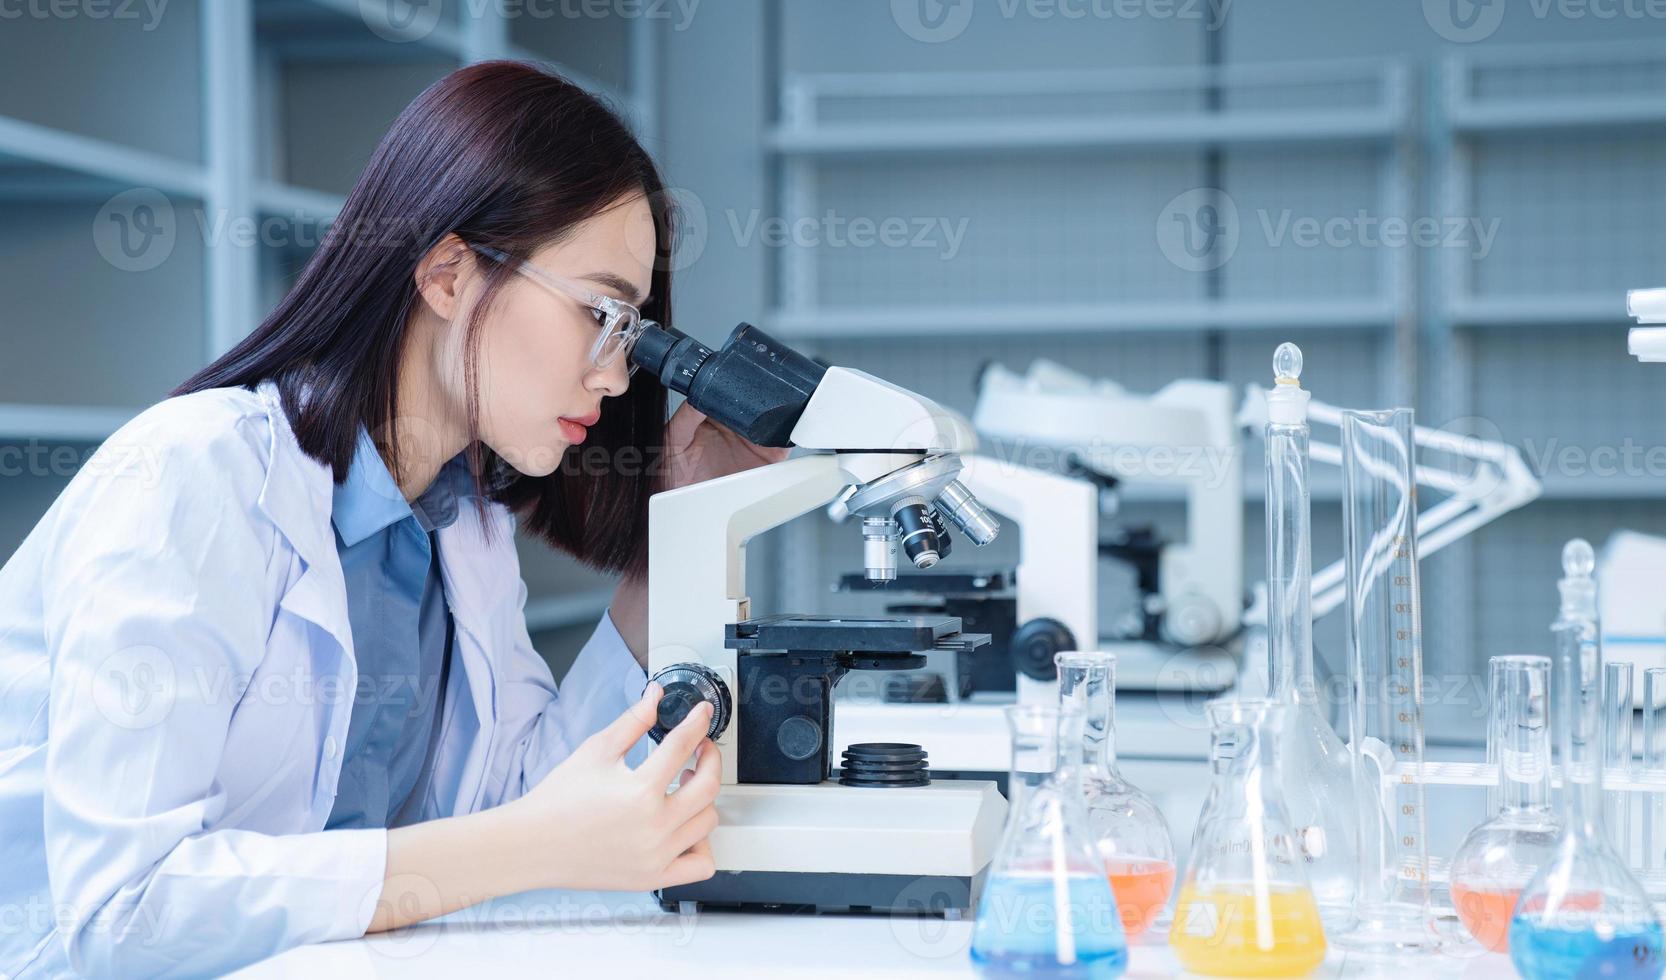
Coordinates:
502 154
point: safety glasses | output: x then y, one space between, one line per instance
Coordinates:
619 322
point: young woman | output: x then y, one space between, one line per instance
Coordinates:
264 674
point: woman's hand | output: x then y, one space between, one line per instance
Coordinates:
592 823
699 449
602 825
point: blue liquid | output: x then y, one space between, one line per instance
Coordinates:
1017 929
1545 952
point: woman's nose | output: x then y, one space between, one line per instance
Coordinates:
611 380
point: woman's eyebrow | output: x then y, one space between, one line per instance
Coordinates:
618 284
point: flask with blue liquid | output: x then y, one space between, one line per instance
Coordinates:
1047 910
1583 914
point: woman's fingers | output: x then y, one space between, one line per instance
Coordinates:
693 832
694 865
667 760
679 432
699 788
626 730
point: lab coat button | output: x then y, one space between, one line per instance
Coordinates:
329 747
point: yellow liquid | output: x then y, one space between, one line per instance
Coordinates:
1219 933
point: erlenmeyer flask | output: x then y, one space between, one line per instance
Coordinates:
1123 822
1583 914
1500 856
1317 774
1245 909
1047 908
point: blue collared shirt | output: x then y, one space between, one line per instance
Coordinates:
401 633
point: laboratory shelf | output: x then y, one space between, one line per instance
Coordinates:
62 423
276 198
1322 102
1187 130
1539 90
332 29
1041 318
1598 310
32 152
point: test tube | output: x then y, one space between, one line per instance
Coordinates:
1616 755
1654 764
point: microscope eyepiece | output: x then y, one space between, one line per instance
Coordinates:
754 384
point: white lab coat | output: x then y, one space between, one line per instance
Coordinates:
176 677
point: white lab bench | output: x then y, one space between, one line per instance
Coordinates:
1162 744
528 936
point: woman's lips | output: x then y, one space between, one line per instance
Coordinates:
574 432
576 429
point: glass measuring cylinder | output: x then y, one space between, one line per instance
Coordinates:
1500 856
1318 786
1047 908
1379 540
1245 909
1124 824
1616 754
1583 914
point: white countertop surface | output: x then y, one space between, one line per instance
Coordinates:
544 935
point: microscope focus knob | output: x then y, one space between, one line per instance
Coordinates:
685 686
1033 645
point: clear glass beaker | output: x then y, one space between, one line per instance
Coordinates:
1318 785
1047 908
1124 823
1385 653
1583 914
1245 908
1500 856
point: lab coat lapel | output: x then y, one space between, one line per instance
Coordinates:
296 498
480 584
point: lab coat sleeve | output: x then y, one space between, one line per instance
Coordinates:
540 727
156 601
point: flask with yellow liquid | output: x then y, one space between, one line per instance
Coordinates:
1245 908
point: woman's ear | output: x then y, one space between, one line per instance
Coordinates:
442 274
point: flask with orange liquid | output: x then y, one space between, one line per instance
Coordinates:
1245 908
1498 858
1123 822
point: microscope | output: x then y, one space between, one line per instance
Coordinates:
1044 604
1189 593
884 836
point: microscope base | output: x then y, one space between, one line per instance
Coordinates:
808 893
920 850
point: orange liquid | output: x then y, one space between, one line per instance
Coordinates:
1141 889
1486 913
